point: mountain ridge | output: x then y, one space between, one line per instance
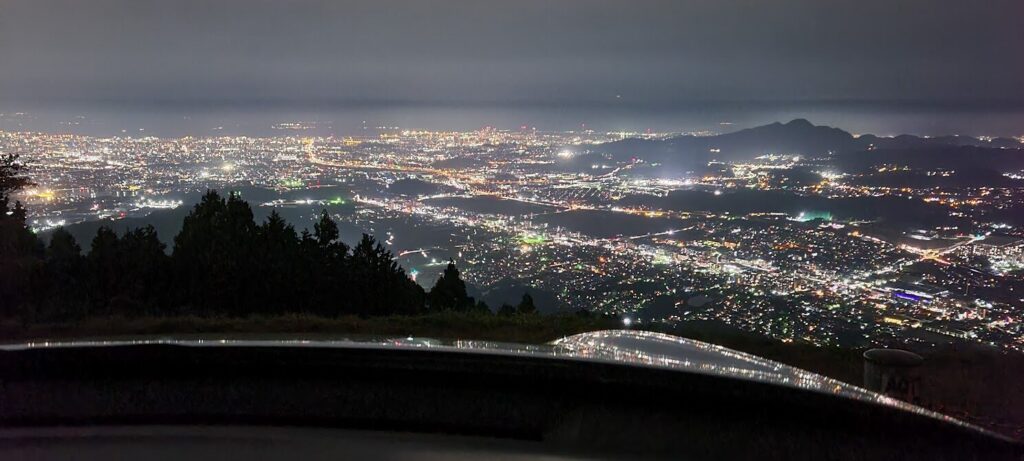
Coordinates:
796 137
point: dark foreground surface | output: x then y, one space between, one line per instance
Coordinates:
551 405
231 443
974 383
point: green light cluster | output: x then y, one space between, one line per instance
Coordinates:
533 239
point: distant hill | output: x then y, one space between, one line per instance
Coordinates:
906 141
799 137
962 157
166 222
796 137
416 187
890 209
511 292
961 177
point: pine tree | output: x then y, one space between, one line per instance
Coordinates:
59 288
11 180
17 241
63 246
325 230
214 256
222 263
381 286
104 263
506 310
449 292
20 251
277 266
144 272
526 305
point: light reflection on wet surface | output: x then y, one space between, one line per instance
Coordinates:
638 348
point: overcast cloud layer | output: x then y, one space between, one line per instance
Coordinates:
655 53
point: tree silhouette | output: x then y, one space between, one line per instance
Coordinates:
506 309
526 305
381 285
58 290
63 247
325 230
222 263
276 265
143 272
214 255
104 269
11 177
449 292
19 249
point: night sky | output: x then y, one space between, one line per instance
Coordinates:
637 55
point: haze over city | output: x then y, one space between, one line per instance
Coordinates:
921 67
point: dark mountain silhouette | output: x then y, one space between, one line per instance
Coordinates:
797 137
166 222
936 157
961 177
890 209
511 292
906 141
416 187
1005 143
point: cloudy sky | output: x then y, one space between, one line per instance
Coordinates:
532 52
947 66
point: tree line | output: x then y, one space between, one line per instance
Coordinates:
222 262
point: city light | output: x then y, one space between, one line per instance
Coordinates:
598 237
